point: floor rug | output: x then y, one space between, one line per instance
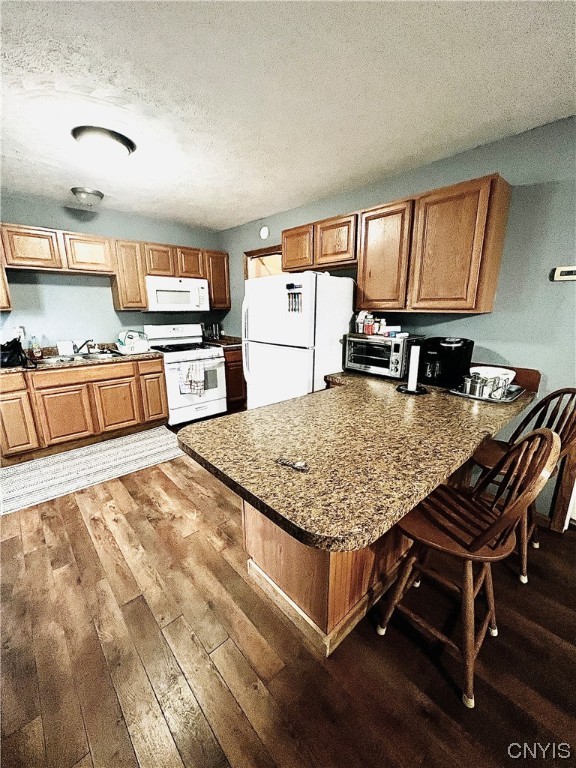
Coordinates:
33 482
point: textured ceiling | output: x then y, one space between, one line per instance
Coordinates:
243 109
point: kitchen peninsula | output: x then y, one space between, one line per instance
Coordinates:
323 543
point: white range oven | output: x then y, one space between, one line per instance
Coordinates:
195 373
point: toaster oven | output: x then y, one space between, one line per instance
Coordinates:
382 355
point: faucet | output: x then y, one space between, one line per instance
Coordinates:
77 349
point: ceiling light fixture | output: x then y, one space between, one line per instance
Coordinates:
103 142
90 198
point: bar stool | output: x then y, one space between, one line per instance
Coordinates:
556 411
475 525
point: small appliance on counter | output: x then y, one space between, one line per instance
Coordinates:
444 361
382 355
132 342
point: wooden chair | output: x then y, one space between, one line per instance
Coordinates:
557 412
475 526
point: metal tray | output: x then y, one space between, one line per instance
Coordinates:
514 392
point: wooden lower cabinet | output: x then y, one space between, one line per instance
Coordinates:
235 383
117 404
65 413
17 427
324 593
49 410
154 401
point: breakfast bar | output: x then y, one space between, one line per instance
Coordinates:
323 542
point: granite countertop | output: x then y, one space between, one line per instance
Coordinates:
226 341
81 363
373 455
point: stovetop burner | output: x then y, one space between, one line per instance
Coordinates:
179 347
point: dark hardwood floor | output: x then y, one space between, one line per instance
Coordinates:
131 636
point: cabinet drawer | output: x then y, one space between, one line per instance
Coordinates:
63 376
150 366
12 382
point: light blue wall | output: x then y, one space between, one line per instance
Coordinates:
52 306
533 324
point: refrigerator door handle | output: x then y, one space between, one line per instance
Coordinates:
245 317
245 361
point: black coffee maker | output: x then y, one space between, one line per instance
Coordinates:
444 361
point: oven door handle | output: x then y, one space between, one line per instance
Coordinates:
218 364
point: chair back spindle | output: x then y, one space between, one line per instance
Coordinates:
556 411
518 478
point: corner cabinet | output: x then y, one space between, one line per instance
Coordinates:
217 272
453 261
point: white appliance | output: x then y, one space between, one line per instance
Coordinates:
177 294
195 374
293 327
132 342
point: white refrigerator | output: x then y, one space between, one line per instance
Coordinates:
293 326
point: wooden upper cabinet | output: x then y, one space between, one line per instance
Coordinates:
128 286
159 259
32 247
298 247
383 257
88 253
216 263
190 262
5 303
456 248
335 241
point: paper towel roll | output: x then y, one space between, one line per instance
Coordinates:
413 368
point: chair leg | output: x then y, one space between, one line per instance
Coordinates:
398 589
523 548
468 633
532 527
489 592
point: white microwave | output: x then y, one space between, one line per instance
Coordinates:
177 294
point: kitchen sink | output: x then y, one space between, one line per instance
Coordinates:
59 359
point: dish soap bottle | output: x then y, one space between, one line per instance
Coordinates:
34 350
